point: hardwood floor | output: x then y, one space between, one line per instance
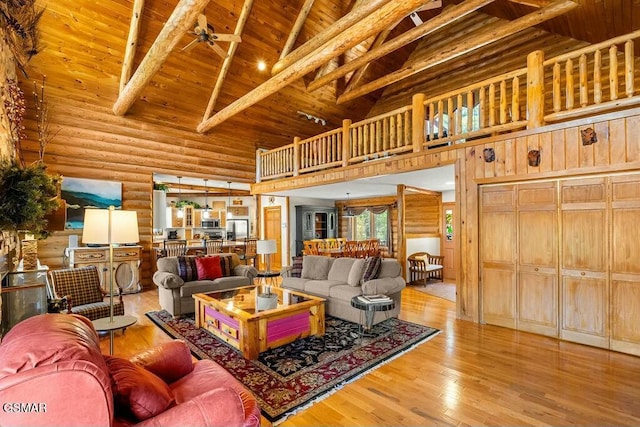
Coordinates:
470 374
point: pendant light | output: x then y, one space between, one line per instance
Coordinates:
180 210
347 212
205 213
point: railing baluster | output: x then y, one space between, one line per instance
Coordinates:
597 77
613 73
492 105
503 102
515 99
584 88
628 67
569 84
483 108
450 112
469 111
557 94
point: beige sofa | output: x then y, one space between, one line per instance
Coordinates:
340 279
175 294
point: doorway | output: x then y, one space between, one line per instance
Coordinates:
272 231
448 244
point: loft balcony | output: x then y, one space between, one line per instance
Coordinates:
597 79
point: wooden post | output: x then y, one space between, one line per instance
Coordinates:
296 156
417 121
259 152
346 142
535 89
402 244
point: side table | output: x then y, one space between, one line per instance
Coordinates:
368 309
106 325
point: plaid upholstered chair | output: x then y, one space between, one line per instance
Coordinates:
81 287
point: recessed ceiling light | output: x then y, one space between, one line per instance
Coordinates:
262 65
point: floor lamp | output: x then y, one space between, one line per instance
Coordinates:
111 227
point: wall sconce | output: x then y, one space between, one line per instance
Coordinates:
589 136
489 155
534 157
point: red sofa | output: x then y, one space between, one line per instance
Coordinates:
52 373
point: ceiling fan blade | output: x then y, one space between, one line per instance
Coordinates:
227 37
202 21
218 50
191 45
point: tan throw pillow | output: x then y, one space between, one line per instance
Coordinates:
355 275
316 267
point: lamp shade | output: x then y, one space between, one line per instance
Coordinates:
98 222
264 247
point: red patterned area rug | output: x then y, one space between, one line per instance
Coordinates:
294 376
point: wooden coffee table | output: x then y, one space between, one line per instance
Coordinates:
231 316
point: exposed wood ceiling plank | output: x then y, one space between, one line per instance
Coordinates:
355 34
380 38
473 42
226 63
132 43
297 26
533 3
445 18
183 16
359 12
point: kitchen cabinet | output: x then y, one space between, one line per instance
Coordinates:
315 222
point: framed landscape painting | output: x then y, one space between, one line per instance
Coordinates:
82 193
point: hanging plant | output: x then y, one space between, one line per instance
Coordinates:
27 195
160 186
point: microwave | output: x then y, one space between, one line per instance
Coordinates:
211 223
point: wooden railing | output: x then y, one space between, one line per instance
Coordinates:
493 105
381 136
603 76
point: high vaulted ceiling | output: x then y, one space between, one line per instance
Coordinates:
464 41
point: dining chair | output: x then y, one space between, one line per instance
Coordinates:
310 247
351 249
213 246
249 251
175 247
373 247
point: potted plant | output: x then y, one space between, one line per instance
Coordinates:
27 195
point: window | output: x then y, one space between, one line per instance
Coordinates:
369 225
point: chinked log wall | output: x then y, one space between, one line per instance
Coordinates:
561 148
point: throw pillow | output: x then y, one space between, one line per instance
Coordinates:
371 268
355 274
226 263
187 268
209 267
136 390
296 267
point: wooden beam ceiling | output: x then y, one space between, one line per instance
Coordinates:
367 27
473 42
446 17
297 26
183 17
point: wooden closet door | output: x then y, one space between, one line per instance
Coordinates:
537 293
625 264
584 295
498 255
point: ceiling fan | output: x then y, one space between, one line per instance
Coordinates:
204 32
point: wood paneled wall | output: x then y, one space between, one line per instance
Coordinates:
423 214
562 154
82 63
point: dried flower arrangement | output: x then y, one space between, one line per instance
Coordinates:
15 108
19 23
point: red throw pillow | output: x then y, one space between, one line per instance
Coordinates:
136 390
209 267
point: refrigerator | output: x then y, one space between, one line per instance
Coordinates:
237 229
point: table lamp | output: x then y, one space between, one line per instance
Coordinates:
266 247
111 227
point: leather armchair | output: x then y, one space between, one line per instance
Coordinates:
52 373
